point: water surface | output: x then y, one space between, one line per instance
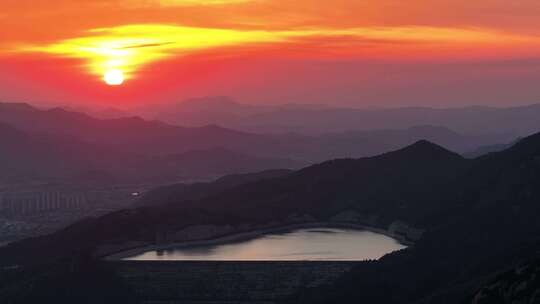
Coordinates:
296 245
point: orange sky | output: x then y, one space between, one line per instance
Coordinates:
359 53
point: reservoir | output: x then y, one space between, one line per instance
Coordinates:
312 244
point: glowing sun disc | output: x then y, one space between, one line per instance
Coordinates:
114 77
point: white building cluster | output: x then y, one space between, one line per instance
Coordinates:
27 203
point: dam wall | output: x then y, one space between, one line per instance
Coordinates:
194 282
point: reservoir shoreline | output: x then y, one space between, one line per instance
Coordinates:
248 235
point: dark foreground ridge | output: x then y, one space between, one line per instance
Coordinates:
479 217
237 282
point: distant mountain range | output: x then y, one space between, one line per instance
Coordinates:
490 149
26 157
505 123
131 133
480 218
143 137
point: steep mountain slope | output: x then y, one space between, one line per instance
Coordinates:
493 226
480 216
397 185
518 285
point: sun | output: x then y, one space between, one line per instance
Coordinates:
113 77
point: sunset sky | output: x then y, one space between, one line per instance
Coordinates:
385 53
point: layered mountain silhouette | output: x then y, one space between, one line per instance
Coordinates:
314 119
479 215
26 157
132 133
136 135
483 150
